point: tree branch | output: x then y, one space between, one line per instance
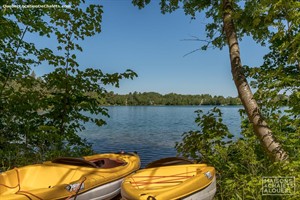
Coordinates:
199 40
14 58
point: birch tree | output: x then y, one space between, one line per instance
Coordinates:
230 21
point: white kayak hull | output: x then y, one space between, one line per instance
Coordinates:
207 193
104 192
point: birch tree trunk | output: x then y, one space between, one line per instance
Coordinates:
260 126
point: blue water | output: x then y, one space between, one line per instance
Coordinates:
151 130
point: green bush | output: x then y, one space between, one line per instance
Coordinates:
240 163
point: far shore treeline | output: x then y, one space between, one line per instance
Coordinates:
154 98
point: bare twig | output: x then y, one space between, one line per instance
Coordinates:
191 52
194 38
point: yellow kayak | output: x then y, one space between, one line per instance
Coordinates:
92 177
187 181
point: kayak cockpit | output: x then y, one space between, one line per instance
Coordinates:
104 163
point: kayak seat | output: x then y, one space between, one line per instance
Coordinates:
9 183
74 161
107 163
98 163
169 161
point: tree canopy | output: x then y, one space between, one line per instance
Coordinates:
39 117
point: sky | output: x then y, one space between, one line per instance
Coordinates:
152 45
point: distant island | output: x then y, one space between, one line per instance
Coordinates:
154 98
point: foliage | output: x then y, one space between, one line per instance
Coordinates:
240 163
153 98
203 145
278 75
264 21
39 117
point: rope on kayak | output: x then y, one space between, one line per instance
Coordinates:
25 194
12 187
84 178
76 190
28 194
19 185
135 183
176 178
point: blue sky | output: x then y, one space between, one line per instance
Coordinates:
151 44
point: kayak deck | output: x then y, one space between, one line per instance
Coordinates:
65 176
169 182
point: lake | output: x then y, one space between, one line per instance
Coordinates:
151 130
